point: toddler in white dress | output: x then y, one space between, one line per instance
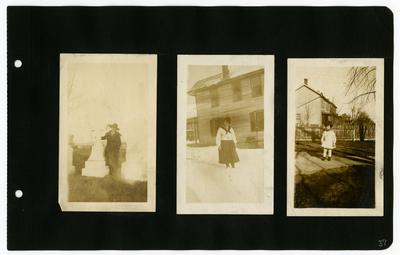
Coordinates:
328 141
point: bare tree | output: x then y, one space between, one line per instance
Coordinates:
363 121
361 82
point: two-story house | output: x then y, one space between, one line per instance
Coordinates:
313 109
237 95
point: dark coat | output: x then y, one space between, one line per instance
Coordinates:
111 152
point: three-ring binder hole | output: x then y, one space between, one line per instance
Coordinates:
18 193
17 63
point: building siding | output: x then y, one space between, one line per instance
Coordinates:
307 100
238 111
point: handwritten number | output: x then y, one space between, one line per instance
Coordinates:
382 243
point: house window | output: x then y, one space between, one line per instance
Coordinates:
215 124
325 106
214 97
237 91
257 89
298 119
192 129
257 120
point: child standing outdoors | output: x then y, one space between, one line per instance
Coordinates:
328 141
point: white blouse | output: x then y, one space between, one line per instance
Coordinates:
224 135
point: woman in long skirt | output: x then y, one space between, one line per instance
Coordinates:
226 142
111 152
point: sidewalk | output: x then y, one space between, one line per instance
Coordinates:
347 181
308 164
347 154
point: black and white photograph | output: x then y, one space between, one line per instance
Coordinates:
225 134
107 132
335 137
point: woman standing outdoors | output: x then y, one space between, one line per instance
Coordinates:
226 142
111 153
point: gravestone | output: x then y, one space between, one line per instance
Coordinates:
96 166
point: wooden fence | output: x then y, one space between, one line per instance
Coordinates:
348 133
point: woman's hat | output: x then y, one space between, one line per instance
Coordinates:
114 125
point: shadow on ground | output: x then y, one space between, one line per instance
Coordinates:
351 187
107 189
363 150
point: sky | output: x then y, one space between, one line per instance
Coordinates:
105 93
331 81
199 72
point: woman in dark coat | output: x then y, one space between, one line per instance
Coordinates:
111 152
226 142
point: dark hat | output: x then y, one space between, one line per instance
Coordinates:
114 125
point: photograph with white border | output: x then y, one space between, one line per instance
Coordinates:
107 133
225 134
335 137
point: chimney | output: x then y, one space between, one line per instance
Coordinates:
306 81
225 72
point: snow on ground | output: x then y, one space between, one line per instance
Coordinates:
207 181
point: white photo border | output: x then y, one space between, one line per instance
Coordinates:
149 206
267 61
292 63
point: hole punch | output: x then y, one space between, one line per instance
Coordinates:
18 193
17 63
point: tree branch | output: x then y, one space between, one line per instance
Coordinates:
363 94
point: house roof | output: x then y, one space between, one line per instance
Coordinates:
218 79
318 93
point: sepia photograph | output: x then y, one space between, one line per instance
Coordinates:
335 137
107 132
225 134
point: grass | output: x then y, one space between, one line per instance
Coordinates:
363 150
350 187
353 187
107 189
